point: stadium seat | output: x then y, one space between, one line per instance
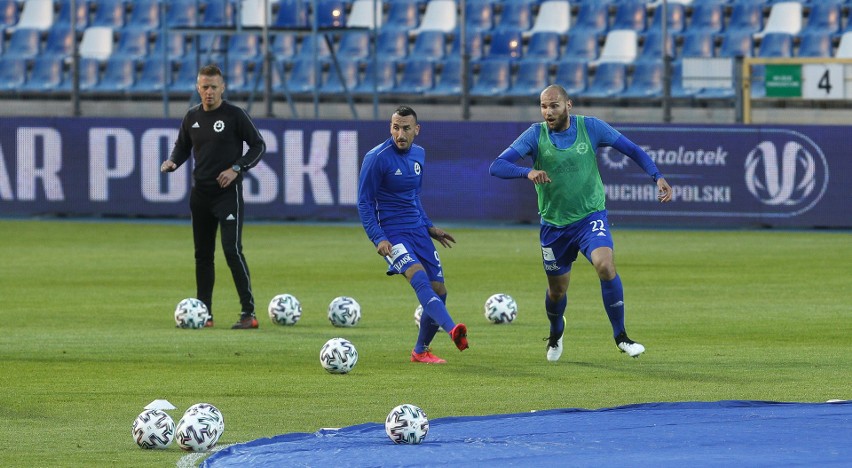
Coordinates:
119 76
36 14
108 14
647 81
47 75
543 45
379 75
621 45
630 15
89 72
505 44
784 17
815 45
429 45
707 17
144 16
152 77
354 45
252 14
8 13
592 18
182 14
418 76
363 14
475 46
745 18
132 43
572 75
609 80
218 14
24 43
237 76
582 46
13 73
652 46
392 44
479 15
515 16
283 45
63 18
59 42
402 14
291 14
824 17
348 69
185 76
449 79
677 18
532 77
698 44
776 44
844 47
211 47
736 44
440 15
245 46
331 13
173 42
553 15
493 78
311 45
676 89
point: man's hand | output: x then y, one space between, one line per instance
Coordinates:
538 177
384 248
226 177
441 236
168 166
664 192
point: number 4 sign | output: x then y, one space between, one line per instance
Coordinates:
823 81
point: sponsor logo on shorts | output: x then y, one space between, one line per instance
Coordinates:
547 254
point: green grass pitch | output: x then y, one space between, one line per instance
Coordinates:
87 336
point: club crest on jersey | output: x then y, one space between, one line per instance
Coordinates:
582 148
218 126
416 167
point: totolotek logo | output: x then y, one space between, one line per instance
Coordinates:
787 175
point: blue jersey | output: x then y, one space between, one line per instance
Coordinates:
600 134
389 190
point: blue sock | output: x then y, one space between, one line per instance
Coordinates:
555 312
435 313
613 300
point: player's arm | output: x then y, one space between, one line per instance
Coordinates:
637 154
506 165
368 183
251 135
181 150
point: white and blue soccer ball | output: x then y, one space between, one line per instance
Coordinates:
153 429
200 428
285 309
191 313
407 424
501 308
418 314
344 311
338 356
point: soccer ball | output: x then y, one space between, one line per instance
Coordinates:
418 313
200 428
338 356
501 308
285 309
344 312
407 424
153 429
191 313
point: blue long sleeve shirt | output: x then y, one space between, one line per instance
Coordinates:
389 190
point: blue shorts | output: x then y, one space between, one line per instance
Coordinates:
560 245
411 247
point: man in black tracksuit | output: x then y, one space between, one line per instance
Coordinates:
215 131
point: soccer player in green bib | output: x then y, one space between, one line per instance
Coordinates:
572 205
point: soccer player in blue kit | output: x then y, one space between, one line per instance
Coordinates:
393 218
571 202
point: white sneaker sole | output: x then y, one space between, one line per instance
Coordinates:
553 354
632 349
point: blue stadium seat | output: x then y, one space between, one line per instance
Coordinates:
145 15
292 14
13 73
630 15
677 18
609 80
348 69
736 44
380 74
429 45
392 44
823 17
244 46
354 45
8 13
698 44
746 18
237 76
89 72
47 75
331 13
132 43
532 77
582 46
776 45
59 42
543 45
174 43
515 16
184 76
707 17
63 18
182 14
402 14
108 13
449 83
479 16
418 76
815 45
211 47
475 46
218 14
283 45
592 18
309 43
152 77
23 43
652 46
573 75
677 90
119 76
505 44
647 81
493 78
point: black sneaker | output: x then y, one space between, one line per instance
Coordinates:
246 321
